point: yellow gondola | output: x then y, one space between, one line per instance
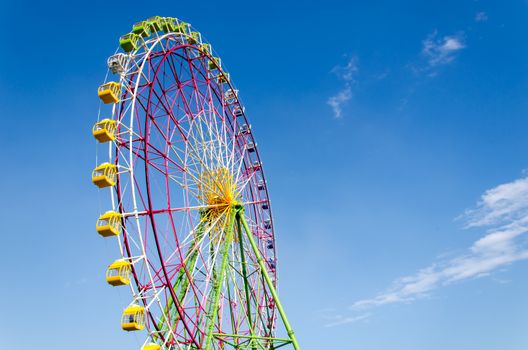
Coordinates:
150 346
104 130
104 175
118 273
194 38
205 48
214 63
108 224
223 78
109 92
133 318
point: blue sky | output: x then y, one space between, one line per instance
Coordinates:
393 137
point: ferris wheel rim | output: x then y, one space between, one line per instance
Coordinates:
231 86
126 253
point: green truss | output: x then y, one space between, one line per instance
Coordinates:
242 342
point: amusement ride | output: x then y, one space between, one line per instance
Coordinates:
187 200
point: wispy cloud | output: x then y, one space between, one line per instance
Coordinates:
337 101
504 203
338 320
481 17
347 73
440 51
503 212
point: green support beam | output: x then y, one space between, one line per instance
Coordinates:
241 218
218 281
244 274
236 214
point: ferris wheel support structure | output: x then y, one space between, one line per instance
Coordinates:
241 219
238 216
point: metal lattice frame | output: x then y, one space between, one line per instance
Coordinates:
203 264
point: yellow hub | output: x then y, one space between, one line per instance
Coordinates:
217 190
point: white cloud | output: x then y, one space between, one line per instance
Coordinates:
441 51
507 202
337 101
347 73
339 320
481 17
503 211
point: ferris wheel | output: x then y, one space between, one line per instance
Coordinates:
187 200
